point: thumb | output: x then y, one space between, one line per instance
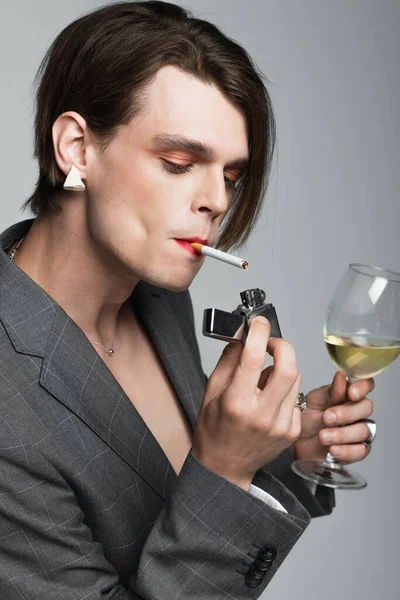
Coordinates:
338 389
326 396
223 373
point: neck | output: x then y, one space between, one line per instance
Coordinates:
92 286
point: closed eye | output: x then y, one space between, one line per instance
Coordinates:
177 169
230 183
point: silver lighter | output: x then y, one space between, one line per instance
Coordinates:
234 326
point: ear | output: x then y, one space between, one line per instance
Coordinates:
70 139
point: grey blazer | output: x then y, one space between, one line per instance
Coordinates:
90 507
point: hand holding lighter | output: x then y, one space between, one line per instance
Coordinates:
234 326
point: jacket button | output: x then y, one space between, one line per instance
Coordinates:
262 565
267 554
254 578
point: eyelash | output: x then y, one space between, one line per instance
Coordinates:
176 169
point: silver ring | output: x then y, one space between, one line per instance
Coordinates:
372 431
301 402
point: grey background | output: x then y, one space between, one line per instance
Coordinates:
333 199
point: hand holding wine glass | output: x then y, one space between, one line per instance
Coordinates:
362 335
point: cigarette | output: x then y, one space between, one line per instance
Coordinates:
227 258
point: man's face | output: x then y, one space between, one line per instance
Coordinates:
148 189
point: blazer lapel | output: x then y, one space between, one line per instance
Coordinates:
168 326
73 372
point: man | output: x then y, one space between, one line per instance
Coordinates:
125 473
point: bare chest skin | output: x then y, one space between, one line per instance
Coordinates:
137 368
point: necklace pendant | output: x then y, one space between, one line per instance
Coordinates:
110 351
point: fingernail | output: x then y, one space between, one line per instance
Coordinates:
356 393
336 451
261 320
330 417
326 437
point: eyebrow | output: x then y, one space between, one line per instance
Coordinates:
177 142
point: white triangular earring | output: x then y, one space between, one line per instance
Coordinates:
73 181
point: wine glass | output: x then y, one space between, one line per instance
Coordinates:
362 336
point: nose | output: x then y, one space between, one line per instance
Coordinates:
213 197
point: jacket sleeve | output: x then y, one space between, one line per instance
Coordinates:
195 549
318 500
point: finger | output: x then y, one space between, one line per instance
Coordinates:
247 374
360 389
264 376
296 422
338 389
348 413
350 434
295 414
350 453
329 395
284 375
288 408
225 369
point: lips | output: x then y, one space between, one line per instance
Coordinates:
194 239
185 245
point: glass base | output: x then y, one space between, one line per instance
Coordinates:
333 476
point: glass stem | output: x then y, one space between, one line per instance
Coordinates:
331 461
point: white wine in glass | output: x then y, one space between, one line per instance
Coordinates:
362 356
362 336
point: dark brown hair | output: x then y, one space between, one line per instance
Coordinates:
99 65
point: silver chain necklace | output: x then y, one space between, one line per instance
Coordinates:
110 351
